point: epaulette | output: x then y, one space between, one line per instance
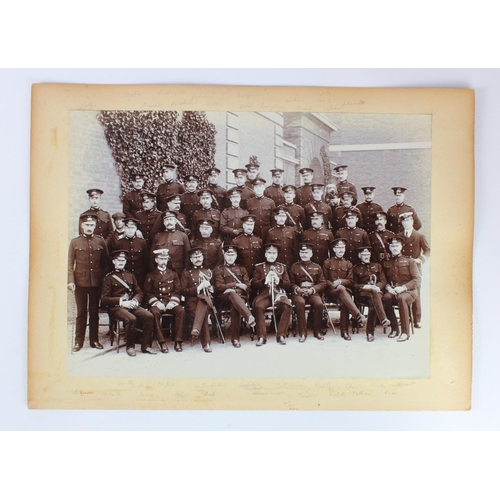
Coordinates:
260 263
99 236
109 274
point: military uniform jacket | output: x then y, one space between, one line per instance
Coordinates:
132 203
262 209
113 239
402 271
362 275
113 290
297 213
249 185
220 195
181 225
177 243
191 278
164 191
275 193
380 247
344 186
230 220
286 237
149 219
338 221
368 211
87 260
190 202
206 213
394 222
224 280
299 279
338 269
415 246
316 206
212 251
259 279
246 194
138 259
321 239
162 287
303 195
103 227
250 252
356 237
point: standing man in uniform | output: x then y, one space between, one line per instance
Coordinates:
284 236
261 208
206 212
253 172
344 184
368 210
104 227
162 293
271 282
403 278
308 283
250 245
232 286
220 193
304 192
132 201
149 217
122 296
320 238
190 200
170 186
175 241
393 220
210 247
296 217
354 236
274 191
346 205
379 239
87 260
240 178
118 233
231 224
318 205
415 246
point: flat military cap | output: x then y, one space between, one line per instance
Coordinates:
398 189
280 210
203 191
303 170
131 219
148 194
405 215
235 190
267 245
338 168
305 246
289 187
250 166
88 218
169 213
206 222
317 213
212 170
368 189
362 249
248 218
239 169
339 241
258 180
161 252
380 214
395 239
230 248
275 170
120 253
168 165
173 197
191 177
317 186
118 215
346 192
194 250
93 192
137 173
353 212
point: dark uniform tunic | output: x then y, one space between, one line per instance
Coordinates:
246 194
275 193
211 249
190 202
262 209
104 226
344 186
87 260
370 274
113 239
165 190
318 206
282 304
149 219
206 213
132 203
300 277
180 225
231 224
220 195
250 251
394 222
298 215
321 239
164 286
113 291
303 195
380 247
138 258
368 210
226 278
356 237
249 185
286 238
338 221
178 246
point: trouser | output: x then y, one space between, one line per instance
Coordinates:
239 309
316 311
129 318
282 311
347 306
87 298
200 307
376 308
416 307
179 315
403 300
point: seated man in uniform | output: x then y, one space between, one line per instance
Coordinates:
369 281
122 295
271 282
197 287
338 275
162 294
308 283
403 279
231 286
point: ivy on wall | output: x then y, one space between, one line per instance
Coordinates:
327 167
146 140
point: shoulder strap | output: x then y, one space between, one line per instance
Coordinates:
124 283
307 274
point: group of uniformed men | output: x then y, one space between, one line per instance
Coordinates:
245 249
